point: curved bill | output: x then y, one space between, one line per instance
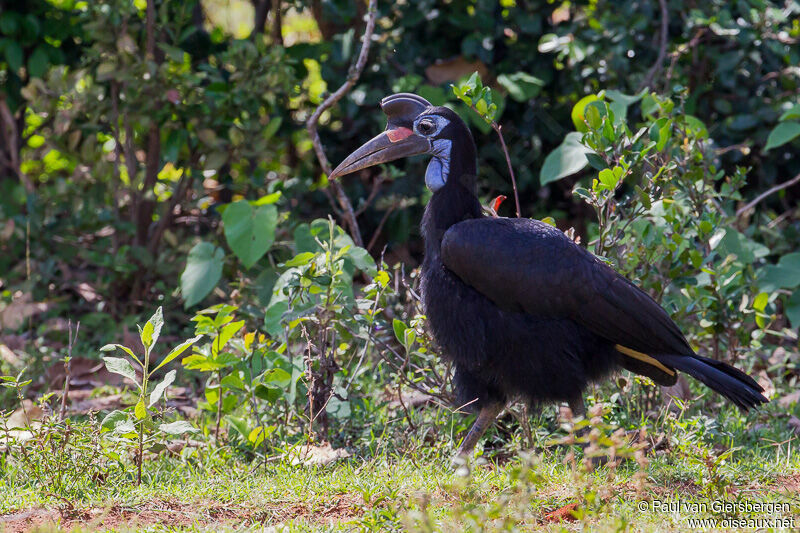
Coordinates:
388 146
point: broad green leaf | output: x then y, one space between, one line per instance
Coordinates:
13 53
300 259
113 419
272 317
732 242
152 329
179 349
362 260
409 336
567 159
578 112
399 330
792 309
203 271
521 86
760 302
784 275
225 335
233 381
791 114
277 376
268 199
37 63
178 427
161 388
140 410
250 231
783 133
239 425
120 366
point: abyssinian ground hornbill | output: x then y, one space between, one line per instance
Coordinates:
522 310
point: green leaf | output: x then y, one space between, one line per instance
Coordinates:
729 241
277 376
791 114
382 278
179 349
784 275
178 427
268 199
521 86
792 309
760 302
272 127
203 271
578 112
782 134
399 330
567 159
232 381
161 388
120 366
37 62
113 419
13 53
239 424
225 335
140 410
272 317
362 260
300 259
409 336
250 231
152 329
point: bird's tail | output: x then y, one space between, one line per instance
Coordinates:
731 382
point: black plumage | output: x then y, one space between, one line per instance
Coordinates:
522 310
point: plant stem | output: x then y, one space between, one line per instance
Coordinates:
219 405
499 129
142 395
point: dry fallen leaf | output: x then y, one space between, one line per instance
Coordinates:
14 315
452 70
794 424
8 355
311 454
790 399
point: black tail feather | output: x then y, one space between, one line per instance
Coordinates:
728 381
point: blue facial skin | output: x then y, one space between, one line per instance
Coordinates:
439 167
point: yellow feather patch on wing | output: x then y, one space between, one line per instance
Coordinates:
644 358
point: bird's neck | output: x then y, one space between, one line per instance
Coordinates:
455 201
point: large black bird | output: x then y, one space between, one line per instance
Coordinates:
522 310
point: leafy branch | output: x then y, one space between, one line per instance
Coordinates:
479 98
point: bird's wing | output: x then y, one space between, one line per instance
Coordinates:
527 265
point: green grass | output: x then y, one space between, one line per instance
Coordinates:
407 481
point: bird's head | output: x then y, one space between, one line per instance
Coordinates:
414 127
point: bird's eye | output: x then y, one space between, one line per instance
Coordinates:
426 127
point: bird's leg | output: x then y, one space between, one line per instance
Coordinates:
577 407
485 418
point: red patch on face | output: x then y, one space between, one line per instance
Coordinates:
398 134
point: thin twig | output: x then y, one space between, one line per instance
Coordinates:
68 367
347 208
376 187
499 129
766 193
662 48
378 230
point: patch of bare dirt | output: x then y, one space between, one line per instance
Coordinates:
181 514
